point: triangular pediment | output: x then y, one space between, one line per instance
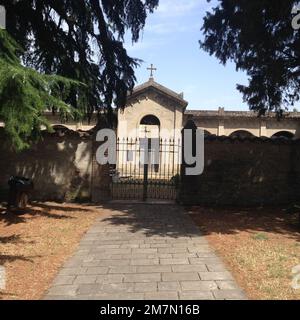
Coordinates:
152 86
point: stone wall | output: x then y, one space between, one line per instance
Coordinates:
238 172
246 173
61 166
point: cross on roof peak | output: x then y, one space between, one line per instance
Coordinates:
151 68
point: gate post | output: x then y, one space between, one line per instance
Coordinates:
146 167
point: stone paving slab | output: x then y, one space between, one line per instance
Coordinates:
142 251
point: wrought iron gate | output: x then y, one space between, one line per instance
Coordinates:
146 172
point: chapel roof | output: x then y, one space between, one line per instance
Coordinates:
151 84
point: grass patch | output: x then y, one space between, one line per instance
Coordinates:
260 236
260 246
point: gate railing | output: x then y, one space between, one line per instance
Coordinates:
146 172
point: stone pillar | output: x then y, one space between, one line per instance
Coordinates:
221 131
101 179
263 129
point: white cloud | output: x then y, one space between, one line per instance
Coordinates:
171 18
173 8
143 45
166 28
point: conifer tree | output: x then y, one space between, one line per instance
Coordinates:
259 37
82 40
26 94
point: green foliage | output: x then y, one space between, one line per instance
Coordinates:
25 94
258 37
81 40
260 236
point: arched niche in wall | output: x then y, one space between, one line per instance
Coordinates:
241 134
283 134
149 127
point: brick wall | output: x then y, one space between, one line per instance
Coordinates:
246 173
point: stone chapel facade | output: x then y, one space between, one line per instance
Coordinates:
152 111
156 111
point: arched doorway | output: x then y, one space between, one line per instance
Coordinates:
241 134
283 134
149 127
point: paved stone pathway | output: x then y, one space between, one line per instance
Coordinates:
144 251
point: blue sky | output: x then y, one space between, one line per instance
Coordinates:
170 42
